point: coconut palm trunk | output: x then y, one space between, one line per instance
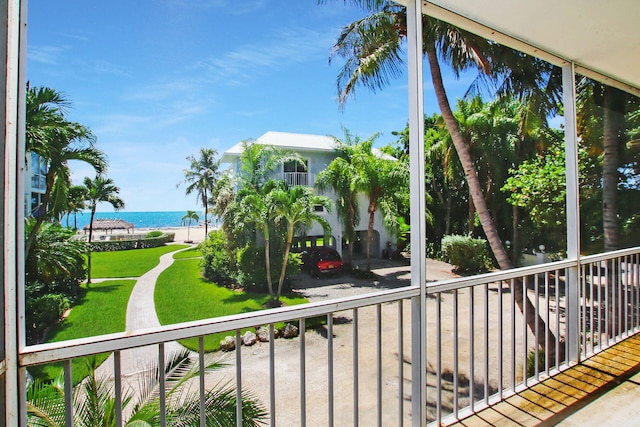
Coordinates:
479 201
267 260
287 249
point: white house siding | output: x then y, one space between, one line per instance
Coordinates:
319 152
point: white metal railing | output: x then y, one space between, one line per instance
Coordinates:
304 179
385 392
481 346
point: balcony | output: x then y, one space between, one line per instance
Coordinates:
38 182
304 179
367 368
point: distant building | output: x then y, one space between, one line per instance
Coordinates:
317 151
35 184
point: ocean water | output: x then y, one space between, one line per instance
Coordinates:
139 219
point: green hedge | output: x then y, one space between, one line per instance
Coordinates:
122 245
466 253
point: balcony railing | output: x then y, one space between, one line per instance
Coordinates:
481 346
298 178
38 182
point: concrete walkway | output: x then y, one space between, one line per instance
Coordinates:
141 314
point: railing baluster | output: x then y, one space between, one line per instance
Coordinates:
68 393
618 276
513 334
201 382
471 349
117 386
272 374
400 362
379 361
330 366
356 363
486 343
566 273
303 373
500 341
438 358
525 376
626 296
162 385
238 378
547 362
456 354
536 355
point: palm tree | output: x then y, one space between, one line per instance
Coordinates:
94 404
76 198
201 178
259 161
99 190
338 176
371 47
295 206
188 217
384 182
254 209
57 141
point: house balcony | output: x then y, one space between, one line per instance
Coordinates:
452 351
39 182
304 179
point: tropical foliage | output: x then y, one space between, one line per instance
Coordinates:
57 141
94 403
54 269
201 178
188 218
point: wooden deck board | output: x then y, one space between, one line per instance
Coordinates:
556 398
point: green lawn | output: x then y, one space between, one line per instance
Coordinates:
131 263
102 310
199 299
189 253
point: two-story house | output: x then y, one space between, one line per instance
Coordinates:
317 151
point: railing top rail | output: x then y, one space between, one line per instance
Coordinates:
58 351
496 276
608 255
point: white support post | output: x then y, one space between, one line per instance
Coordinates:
572 298
11 281
417 196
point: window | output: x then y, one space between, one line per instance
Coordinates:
293 166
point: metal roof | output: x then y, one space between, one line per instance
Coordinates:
602 38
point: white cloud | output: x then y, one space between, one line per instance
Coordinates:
46 54
277 52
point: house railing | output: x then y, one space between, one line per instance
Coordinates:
481 346
39 182
305 179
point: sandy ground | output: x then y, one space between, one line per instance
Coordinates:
391 376
193 234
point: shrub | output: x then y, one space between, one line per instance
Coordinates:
123 245
156 233
466 253
253 271
218 262
42 312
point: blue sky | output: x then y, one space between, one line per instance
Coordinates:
157 79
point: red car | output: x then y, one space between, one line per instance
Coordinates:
321 260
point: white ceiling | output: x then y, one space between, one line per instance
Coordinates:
602 38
